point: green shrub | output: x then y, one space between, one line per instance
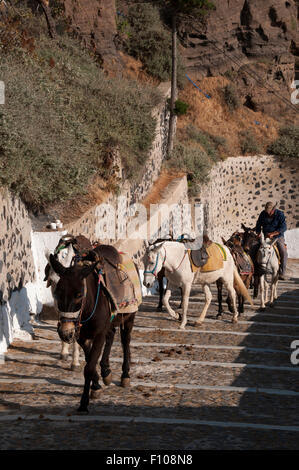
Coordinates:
248 143
180 108
231 97
150 42
287 144
194 162
60 112
211 144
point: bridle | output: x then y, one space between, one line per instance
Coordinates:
265 264
77 320
153 271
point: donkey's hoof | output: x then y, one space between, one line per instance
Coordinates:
64 357
94 394
75 368
125 382
82 411
182 327
108 379
235 320
159 309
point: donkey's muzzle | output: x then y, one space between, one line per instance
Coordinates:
67 331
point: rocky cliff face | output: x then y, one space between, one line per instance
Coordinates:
253 37
94 22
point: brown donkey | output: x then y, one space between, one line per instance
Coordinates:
84 309
245 268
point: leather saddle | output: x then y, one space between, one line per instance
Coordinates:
200 256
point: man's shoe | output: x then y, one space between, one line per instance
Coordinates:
281 277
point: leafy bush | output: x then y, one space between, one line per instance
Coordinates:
60 112
180 108
287 144
231 97
248 143
194 162
211 144
149 41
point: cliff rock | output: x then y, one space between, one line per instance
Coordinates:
255 38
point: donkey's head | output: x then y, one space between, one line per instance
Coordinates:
250 238
153 264
64 253
264 254
70 295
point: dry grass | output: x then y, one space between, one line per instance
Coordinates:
133 69
213 116
156 193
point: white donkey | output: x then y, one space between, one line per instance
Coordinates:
65 256
268 263
174 257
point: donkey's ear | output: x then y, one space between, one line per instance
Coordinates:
262 237
156 247
223 241
57 267
246 229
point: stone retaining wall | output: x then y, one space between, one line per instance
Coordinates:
238 190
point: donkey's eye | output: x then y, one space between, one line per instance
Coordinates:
79 295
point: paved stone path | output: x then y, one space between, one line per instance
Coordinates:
217 386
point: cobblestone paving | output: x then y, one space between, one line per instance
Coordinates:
215 386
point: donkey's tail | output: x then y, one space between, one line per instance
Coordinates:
241 286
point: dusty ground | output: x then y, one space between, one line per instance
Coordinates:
217 386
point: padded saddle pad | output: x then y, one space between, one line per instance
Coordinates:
216 256
242 261
122 283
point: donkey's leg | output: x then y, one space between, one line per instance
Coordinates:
105 366
262 287
232 295
256 284
64 351
275 289
86 346
90 371
208 298
185 302
266 290
219 293
274 282
125 334
161 291
75 360
166 297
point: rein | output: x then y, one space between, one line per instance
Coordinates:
78 321
152 271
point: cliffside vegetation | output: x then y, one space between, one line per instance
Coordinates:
62 113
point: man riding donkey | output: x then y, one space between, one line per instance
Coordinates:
273 224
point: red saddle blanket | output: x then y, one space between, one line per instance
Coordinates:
242 261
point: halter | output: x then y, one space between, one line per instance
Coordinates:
269 259
155 267
78 321
156 264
